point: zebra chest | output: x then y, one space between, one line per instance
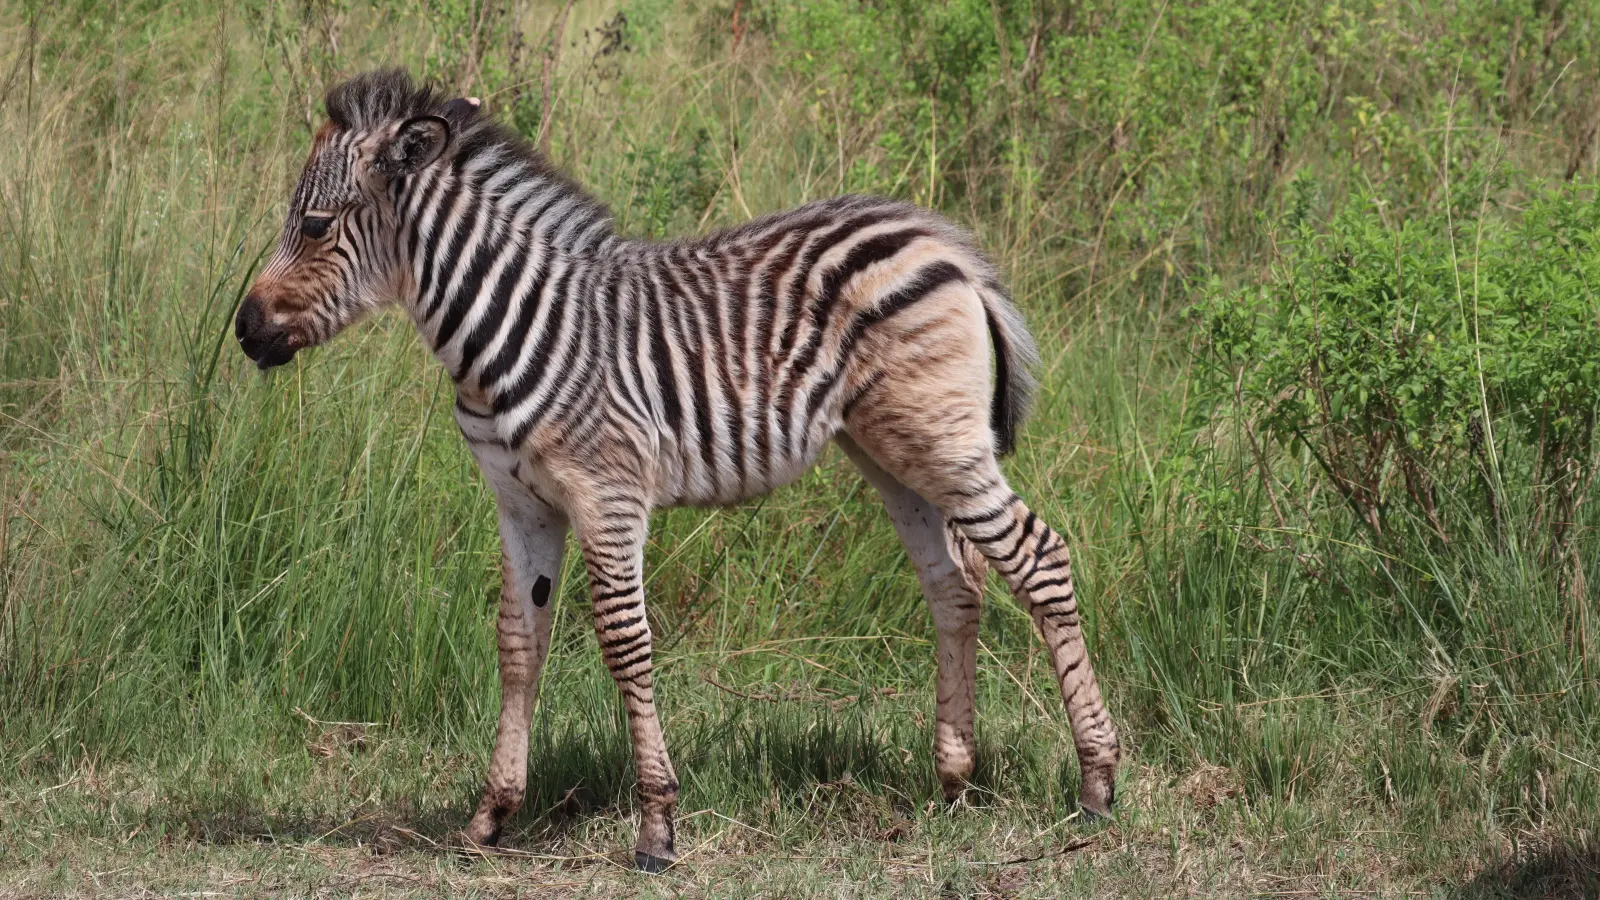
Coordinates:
509 470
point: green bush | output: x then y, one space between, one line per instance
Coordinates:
1163 128
1452 351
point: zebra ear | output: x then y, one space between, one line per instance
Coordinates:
413 146
462 107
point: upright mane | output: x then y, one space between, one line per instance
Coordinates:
374 99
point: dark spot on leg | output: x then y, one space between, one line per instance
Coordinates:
541 591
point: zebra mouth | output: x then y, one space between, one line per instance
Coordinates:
268 350
274 356
266 343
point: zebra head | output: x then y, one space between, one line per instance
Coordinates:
337 256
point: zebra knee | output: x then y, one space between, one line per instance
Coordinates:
956 608
968 558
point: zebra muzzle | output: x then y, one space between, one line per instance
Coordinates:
265 342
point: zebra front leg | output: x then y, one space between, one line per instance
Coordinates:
613 550
532 541
951 572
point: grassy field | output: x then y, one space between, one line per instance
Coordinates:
246 622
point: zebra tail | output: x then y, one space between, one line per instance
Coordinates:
1016 355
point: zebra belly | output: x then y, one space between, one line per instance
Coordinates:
684 478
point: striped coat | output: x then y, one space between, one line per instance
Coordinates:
599 377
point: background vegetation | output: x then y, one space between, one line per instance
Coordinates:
1316 287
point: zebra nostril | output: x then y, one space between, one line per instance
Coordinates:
249 319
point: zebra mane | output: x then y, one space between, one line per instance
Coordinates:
373 99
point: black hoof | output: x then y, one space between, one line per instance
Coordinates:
468 848
1098 805
1092 815
651 865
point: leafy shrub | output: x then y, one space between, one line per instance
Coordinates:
1547 318
1397 353
1159 130
672 188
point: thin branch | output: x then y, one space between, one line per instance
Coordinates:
552 55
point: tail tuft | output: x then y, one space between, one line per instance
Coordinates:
1015 356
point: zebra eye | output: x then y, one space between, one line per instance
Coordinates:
316 227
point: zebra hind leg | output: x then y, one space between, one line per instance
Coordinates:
1033 560
951 574
936 442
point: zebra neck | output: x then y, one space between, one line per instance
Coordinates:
498 261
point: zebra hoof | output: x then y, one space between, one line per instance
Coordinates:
466 849
1092 816
482 834
1098 798
649 864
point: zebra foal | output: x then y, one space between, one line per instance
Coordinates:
598 377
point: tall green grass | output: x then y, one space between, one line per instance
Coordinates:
197 560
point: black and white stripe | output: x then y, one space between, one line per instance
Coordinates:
725 354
